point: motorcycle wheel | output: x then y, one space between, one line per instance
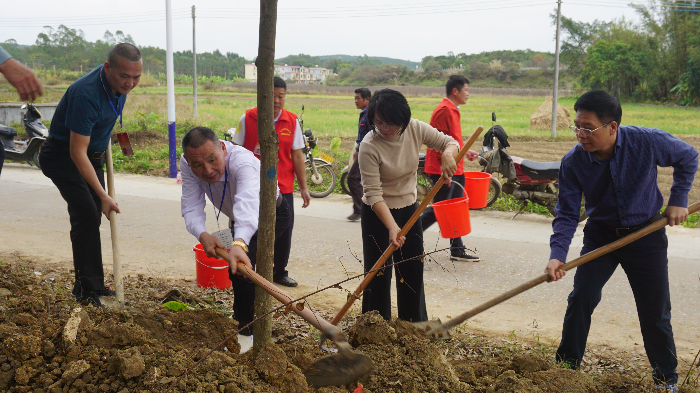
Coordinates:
495 189
35 158
322 185
344 183
423 187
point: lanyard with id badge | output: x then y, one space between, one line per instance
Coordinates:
224 235
122 137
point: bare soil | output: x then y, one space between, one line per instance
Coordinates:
148 347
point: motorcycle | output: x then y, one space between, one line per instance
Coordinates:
525 180
320 176
423 184
27 150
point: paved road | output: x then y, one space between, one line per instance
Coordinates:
327 248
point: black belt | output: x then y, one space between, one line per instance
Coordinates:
280 199
96 155
92 154
622 232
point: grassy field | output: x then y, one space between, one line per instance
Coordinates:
145 118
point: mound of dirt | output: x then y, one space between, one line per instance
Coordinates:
50 344
542 118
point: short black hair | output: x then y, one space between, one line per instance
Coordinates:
455 81
391 106
364 93
125 50
198 136
279 82
602 103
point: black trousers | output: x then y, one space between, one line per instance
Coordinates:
409 273
453 191
243 288
283 242
355 186
645 263
2 155
84 210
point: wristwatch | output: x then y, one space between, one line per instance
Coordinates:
241 244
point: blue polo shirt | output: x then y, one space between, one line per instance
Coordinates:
85 109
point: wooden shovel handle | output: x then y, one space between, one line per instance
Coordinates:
636 235
403 232
308 315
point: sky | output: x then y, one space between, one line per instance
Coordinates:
403 29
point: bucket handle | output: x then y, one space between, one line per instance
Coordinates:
211 267
449 194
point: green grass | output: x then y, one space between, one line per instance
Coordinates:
330 116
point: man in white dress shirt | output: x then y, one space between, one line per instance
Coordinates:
229 176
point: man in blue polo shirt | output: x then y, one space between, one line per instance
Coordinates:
74 154
615 169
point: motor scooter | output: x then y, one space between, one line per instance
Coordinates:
525 180
27 150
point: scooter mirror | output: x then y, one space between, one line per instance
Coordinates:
493 116
302 107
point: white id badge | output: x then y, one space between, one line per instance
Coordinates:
225 237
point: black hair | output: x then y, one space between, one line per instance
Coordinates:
125 50
198 136
455 81
602 103
279 82
391 106
364 93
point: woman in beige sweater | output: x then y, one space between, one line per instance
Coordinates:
388 162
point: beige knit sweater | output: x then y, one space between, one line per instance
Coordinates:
388 166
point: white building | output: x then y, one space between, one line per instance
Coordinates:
292 74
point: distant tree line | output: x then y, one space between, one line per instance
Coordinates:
655 60
67 49
487 68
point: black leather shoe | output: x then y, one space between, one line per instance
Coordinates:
286 281
105 292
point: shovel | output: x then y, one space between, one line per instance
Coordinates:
437 330
373 272
335 370
117 266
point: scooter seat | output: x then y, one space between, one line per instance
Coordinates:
541 170
7 132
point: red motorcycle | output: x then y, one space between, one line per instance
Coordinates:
525 180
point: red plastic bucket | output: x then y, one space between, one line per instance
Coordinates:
211 272
477 186
452 216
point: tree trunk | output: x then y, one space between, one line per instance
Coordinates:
267 137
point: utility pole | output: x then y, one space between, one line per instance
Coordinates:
556 74
194 69
171 89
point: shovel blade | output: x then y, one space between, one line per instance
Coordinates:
434 330
338 370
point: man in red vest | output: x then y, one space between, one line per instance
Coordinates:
291 162
446 119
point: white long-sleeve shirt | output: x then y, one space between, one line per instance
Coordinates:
241 202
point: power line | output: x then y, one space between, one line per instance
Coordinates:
410 9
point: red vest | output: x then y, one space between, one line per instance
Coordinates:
446 119
285 127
